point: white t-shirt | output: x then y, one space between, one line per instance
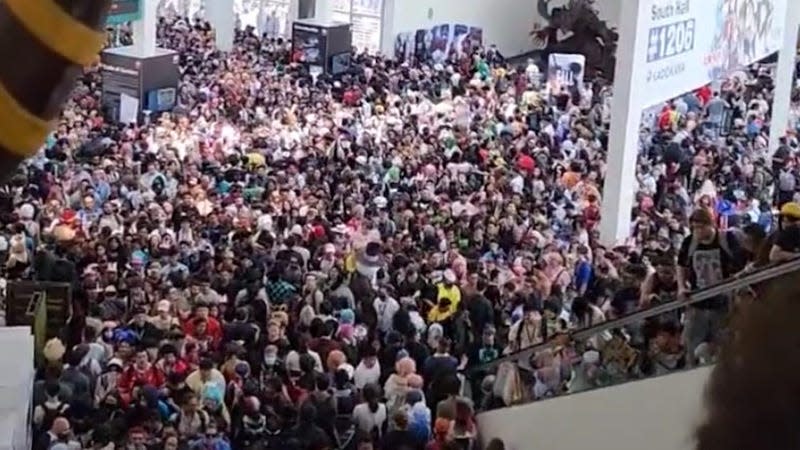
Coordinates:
364 375
367 420
386 309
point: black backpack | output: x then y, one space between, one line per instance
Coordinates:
52 413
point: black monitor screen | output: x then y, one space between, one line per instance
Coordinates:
340 63
308 46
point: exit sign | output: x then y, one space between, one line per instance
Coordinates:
124 11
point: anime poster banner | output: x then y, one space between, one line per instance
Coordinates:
685 44
403 46
565 71
461 43
436 43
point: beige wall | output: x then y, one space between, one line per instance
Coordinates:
654 414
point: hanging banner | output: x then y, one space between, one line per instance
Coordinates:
565 71
403 47
122 11
436 43
461 42
684 44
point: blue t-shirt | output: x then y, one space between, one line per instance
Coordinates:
583 274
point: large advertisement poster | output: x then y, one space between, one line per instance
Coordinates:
565 71
403 46
308 46
435 43
684 44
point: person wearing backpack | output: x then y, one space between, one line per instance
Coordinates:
707 256
371 416
787 182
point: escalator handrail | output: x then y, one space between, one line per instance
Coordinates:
760 275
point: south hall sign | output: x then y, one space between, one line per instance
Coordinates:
124 11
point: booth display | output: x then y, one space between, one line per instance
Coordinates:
133 84
322 45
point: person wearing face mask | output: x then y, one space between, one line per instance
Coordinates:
145 330
112 307
210 440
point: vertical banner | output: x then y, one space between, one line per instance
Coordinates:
565 71
403 47
440 42
475 37
461 42
421 40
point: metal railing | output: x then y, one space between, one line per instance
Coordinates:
732 284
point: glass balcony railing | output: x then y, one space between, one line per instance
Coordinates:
659 340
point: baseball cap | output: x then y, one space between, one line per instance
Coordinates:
791 209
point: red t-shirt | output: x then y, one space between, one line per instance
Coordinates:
213 329
526 163
704 94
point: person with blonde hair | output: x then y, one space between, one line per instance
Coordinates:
18 259
397 384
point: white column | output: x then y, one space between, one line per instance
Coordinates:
223 19
294 14
388 31
323 10
784 76
623 142
144 30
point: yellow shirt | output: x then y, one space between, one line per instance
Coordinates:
452 293
350 263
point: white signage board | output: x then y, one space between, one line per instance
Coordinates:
684 44
565 70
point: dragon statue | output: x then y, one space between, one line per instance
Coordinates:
589 35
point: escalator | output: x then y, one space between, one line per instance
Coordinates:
606 386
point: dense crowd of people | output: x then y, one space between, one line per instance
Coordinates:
289 261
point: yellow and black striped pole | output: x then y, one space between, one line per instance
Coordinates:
44 45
